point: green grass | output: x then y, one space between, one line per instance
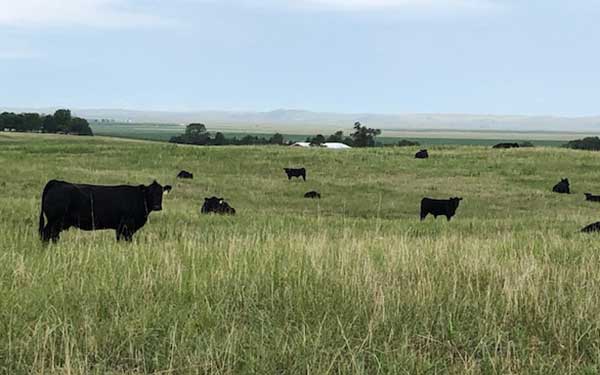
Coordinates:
352 283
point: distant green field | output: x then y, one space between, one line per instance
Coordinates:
352 283
163 132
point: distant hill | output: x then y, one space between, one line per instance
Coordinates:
284 119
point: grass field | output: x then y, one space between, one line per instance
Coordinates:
351 283
164 132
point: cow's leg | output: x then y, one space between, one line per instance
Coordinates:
423 215
304 177
51 231
124 231
449 217
55 232
46 234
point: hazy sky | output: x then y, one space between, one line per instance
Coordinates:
387 56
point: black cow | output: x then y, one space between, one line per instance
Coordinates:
217 206
562 187
423 154
295 172
594 227
506 145
591 197
185 174
312 194
123 208
439 207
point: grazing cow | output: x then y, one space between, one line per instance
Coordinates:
594 227
123 208
506 145
591 197
439 207
185 174
423 154
312 194
217 206
562 187
295 172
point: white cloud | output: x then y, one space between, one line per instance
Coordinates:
125 13
66 13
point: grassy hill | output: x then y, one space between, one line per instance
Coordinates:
351 283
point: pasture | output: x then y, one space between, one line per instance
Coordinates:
351 283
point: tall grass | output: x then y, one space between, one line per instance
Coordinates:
351 283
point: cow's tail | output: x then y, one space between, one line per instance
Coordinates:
41 221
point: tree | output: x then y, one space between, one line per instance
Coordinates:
49 124
336 137
220 139
63 119
363 136
31 122
276 139
316 140
587 143
195 129
79 126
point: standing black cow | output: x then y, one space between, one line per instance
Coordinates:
506 145
563 187
312 194
295 172
123 208
185 174
423 154
439 207
217 206
592 198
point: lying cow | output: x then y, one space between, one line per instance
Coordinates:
217 206
592 198
423 154
439 207
295 172
185 174
594 227
562 187
312 194
123 208
506 145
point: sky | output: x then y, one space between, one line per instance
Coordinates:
356 56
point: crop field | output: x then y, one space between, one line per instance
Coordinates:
352 283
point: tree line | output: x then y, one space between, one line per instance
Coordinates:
60 122
362 136
197 134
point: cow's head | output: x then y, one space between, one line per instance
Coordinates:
154 195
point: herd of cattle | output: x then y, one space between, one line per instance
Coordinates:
126 208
